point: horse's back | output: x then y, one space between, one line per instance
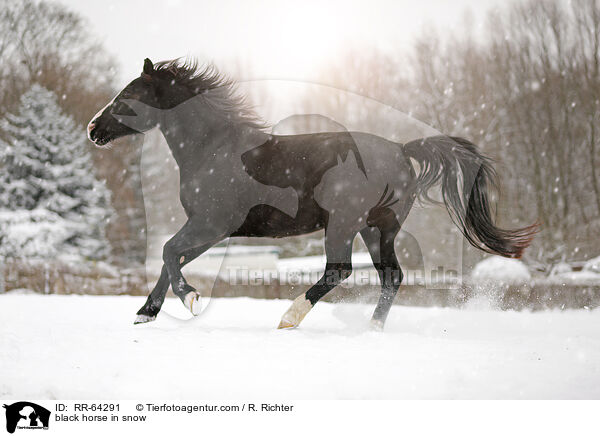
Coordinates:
301 160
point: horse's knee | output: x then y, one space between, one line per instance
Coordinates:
170 253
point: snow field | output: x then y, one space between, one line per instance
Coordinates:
86 347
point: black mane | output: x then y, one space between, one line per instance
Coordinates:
218 90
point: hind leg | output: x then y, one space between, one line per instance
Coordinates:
380 243
338 249
156 298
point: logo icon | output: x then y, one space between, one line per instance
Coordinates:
26 415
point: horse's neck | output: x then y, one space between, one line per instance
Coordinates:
197 141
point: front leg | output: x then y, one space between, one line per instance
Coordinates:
195 234
155 300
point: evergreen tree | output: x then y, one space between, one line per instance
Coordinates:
50 201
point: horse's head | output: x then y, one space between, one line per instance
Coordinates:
137 107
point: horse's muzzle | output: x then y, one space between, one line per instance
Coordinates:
95 136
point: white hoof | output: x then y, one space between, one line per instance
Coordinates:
140 319
193 301
296 313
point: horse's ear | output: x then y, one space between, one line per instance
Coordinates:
148 66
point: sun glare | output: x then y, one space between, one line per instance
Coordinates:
302 39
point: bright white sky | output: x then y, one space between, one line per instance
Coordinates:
272 39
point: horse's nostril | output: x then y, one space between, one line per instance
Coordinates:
90 130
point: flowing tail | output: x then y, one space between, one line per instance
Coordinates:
467 177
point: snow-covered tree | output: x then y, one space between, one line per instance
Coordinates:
50 201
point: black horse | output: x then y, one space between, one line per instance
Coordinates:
238 180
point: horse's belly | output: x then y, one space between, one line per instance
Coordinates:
267 221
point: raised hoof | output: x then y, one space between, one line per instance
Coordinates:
140 319
376 325
193 301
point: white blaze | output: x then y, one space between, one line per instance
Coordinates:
92 123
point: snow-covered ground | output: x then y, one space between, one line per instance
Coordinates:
75 347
